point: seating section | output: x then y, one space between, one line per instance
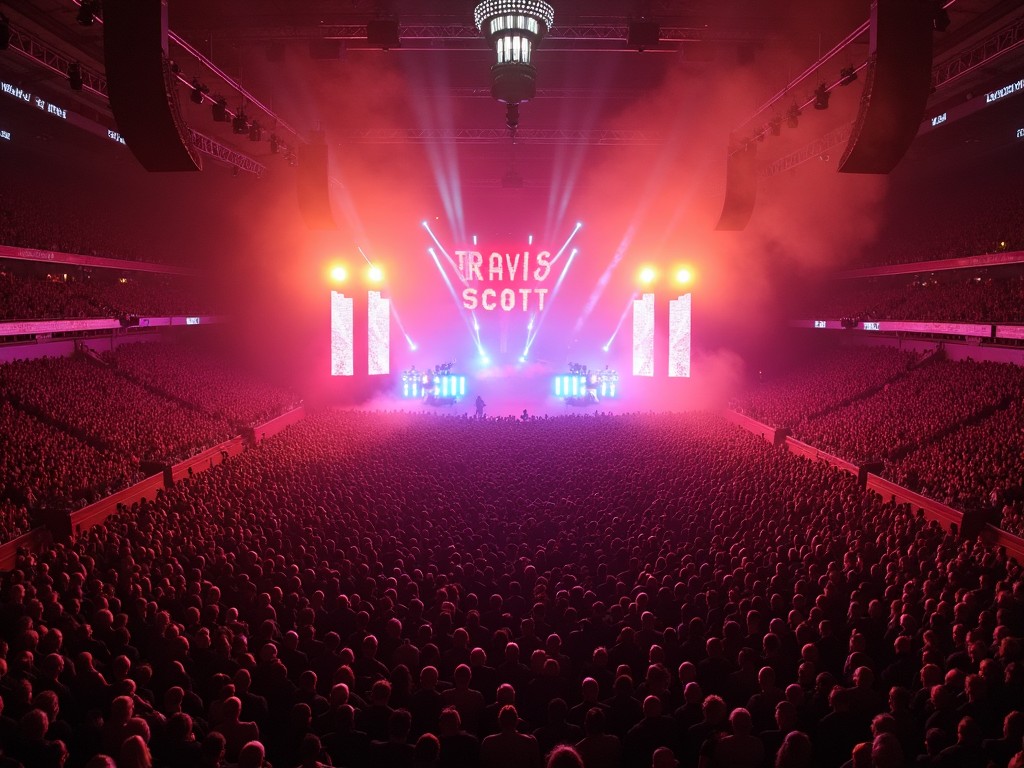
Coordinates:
27 220
42 465
827 378
961 296
102 294
367 584
202 379
98 405
916 407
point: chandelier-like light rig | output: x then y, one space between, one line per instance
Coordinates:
513 28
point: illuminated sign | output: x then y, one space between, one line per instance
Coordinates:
1006 90
191 321
115 136
820 324
1020 133
43 104
6 135
938 119
523 269
16 92
872 326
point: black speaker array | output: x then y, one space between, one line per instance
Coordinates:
896 86
740 188
142 91
314 185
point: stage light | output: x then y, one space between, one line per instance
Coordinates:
684 276
239 123
821 96
339 274
75 76
605 347
847 75
198 91
375 274
522 358
529 240
793 116
647 275
513 28
86 13
474 239
219 110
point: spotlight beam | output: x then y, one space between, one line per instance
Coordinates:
622 319
454 295
579 225
440 247
554 292
577 228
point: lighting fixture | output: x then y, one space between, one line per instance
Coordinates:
513 28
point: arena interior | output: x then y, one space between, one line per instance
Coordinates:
511 384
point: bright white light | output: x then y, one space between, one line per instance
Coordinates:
375 274
522 359
579 224
474 239
529 240
605 347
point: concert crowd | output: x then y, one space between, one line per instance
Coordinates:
374 589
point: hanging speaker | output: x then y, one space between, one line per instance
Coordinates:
141 87
314 185
896 86
740 188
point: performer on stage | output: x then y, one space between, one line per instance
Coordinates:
480 405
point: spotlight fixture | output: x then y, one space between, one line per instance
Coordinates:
793 116
255 132
775 126
198 91
643 33
220 110
513 28
239 124
821 96
5 32
275 144
75 76
383 33
847 75
86 12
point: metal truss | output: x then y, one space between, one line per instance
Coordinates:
55 61
96 83
438 35
995 45
499 136
474 92
226 154
810 151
